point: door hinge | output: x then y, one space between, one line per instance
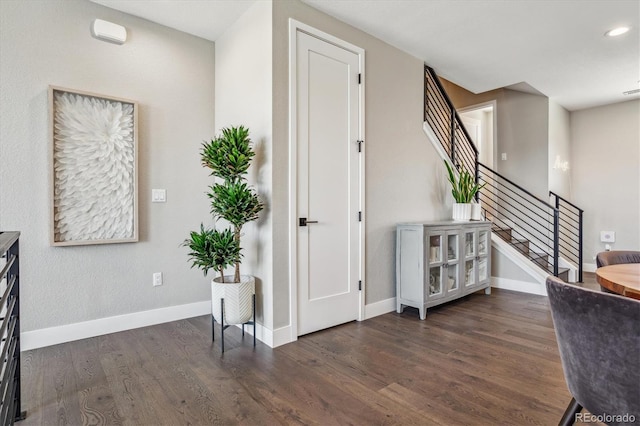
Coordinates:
360 146
359 78
360 285
359 216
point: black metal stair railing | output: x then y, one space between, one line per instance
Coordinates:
445 122
540 231
532 223
570 238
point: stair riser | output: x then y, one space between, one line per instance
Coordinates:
504 234
521 246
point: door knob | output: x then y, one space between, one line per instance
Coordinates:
304 221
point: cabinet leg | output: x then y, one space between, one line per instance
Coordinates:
423 313
487 290
399 308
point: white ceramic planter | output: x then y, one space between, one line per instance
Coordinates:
476 211
238 303
461 211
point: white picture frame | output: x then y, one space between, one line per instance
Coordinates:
94 168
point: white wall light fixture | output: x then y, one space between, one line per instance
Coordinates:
108 31
561 165
617 31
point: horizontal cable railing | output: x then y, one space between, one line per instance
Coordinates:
539 230
445 122
571 217
533 222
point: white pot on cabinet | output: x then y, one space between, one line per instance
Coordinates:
476 211
238 299
461 211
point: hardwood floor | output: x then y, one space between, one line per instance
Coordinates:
481 360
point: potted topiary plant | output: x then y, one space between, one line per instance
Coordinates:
463 189
228 156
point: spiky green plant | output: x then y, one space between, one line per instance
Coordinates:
229 156
213 249
464 187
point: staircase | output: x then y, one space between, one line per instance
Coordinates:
546 236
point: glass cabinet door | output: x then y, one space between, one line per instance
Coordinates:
469 272
435 248
452 248
469 244
451 284
484 245
483 271
435 281
483 242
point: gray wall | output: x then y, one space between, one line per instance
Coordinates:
605 171
523 132
405 178
171 75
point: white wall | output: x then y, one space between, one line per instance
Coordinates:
559 147
243 96
405 178
605 171
171 75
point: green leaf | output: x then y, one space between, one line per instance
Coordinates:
228 155
464 187
212 249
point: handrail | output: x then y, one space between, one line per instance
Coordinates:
450 104
579 224
566 201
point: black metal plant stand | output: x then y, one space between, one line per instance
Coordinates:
223 327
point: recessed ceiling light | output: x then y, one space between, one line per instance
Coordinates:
617 31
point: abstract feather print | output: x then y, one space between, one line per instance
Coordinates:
94 172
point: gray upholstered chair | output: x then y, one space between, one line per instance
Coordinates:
599 341
614 257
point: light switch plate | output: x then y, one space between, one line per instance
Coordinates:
607 236
158 195
504 156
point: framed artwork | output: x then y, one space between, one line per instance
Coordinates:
94 167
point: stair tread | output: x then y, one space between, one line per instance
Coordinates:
534 255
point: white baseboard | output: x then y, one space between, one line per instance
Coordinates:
379 308
282 336
272 338
521 286
83 330
589 267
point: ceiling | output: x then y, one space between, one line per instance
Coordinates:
556 47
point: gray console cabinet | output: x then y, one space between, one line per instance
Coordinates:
441 261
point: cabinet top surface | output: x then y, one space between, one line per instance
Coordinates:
447 223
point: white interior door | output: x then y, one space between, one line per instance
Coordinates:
327 184
474 128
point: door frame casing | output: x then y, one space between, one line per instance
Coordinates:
295 27
482 105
